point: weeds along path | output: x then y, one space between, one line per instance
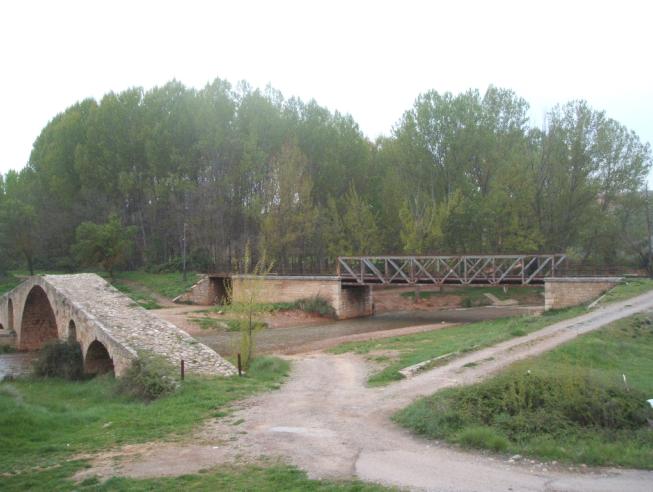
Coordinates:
326 421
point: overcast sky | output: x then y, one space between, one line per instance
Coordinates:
369 59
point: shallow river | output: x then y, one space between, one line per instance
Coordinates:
15 364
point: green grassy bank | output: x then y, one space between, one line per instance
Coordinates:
584 402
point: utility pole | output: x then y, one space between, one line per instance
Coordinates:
183 252
183 239
649 267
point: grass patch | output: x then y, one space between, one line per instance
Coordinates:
421 347
8 282
630 287
230 325
481 437
139 296
569 405
46 421
233 478
207 323
169 285
475 296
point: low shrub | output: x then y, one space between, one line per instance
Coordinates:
235 325
150 377
522 405
316 305
60 359
7 349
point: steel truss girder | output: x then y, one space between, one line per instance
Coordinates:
438 270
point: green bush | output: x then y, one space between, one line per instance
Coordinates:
150 377
521 405
316 305
59 359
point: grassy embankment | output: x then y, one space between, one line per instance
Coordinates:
394 354
47 424
8 282
570 405
271 478
144 288
45 421
475 296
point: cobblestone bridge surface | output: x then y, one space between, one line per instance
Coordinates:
89 309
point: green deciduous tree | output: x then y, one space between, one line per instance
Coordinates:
18 230
227 166
289 217
107 245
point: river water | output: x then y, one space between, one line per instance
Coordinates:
15 364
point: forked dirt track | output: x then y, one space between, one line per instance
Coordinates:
327 422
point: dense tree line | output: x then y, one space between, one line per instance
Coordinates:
225 167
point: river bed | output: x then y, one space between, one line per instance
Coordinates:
288 340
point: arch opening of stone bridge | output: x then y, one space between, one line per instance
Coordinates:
38 324
97 359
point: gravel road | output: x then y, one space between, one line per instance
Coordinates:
327 422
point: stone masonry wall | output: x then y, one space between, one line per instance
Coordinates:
208 291
197 294
348 302
565 292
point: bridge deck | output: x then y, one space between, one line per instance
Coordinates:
439 270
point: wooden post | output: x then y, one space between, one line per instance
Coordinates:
240 366
182 369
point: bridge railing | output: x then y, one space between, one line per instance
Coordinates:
438 270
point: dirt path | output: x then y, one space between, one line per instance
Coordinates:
325 421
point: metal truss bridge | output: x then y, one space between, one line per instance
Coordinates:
439 270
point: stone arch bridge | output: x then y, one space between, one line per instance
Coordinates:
109 326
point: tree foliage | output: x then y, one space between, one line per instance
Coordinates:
107 245
230 166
